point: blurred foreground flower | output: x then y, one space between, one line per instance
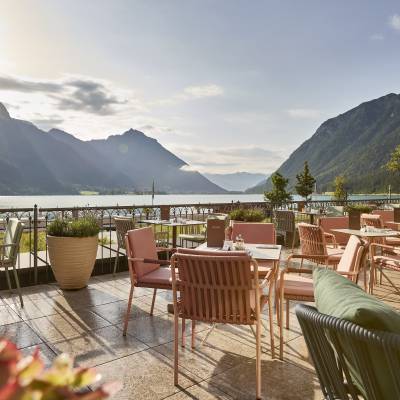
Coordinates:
25 378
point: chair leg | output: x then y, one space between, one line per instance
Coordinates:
183 333
18 285
193 334
258 358
287 313
8 278
281 300
116 261
128 310
271 328
153 301
176 349
293 239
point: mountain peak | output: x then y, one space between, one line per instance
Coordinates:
4 114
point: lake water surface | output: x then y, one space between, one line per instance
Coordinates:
138 200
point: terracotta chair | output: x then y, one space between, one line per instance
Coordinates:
313 242
386 215
122 225
291 285
329 223
384 257
144 266
219 288
255 232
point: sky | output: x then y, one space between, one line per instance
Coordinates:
227 85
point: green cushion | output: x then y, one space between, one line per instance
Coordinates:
337 296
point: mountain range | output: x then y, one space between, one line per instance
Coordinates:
33 161
356 144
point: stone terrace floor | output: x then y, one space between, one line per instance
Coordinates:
88 325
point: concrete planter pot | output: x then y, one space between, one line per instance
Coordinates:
72 259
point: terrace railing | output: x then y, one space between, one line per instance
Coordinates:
33 261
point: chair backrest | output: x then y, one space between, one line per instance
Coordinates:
284 220
123 225
350 359
353 256
254 232
386 215
12 238
217 287
140 243
312 240
374 220
329 223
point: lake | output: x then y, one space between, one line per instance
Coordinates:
128 200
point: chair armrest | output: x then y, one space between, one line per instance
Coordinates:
168 249
331 237
149 261
297 270
373 246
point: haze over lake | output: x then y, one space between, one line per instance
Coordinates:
138 200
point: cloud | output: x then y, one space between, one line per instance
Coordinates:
306 113
224 160
198 92
377 37
188 168
78 94
191 93
394 21
26 86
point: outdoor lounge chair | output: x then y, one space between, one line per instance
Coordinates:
222 287
144 266
293 286
9 252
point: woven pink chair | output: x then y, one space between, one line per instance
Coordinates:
219 288
329 223
291 285
313 242
256 233
144 267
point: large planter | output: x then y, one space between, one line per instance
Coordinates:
72 259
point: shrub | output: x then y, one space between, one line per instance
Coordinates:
250 215
362 208
83 227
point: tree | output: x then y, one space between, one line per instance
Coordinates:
305 182
340 192
393 165
278 195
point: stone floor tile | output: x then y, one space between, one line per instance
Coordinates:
46 354
67 325
115 312
218 354
296 352
88 297
280 381
20 333
7 315
146 375
99 346
202 391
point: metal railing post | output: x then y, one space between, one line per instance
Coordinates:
35 243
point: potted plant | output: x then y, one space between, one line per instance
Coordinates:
72 246
355 212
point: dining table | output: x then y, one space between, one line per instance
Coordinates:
174 224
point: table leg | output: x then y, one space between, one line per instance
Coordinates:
312 219
174 234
